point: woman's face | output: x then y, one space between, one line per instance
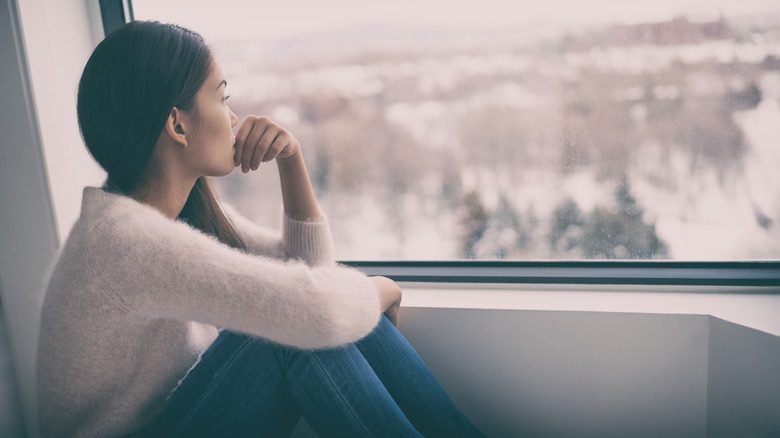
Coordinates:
210 150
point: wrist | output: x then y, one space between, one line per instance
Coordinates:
289 160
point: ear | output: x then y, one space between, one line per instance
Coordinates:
175 127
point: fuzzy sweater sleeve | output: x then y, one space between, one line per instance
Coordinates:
160 268
309 241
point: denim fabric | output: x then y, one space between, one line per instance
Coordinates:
247 386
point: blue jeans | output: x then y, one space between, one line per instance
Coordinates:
248 386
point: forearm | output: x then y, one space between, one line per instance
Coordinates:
297 192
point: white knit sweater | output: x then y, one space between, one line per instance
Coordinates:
134 297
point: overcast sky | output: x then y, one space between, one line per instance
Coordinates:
228 19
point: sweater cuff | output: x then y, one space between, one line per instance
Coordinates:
310 241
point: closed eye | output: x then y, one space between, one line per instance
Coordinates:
226 98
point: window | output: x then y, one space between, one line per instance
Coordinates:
439 131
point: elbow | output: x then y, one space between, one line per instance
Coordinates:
347 306
343 322
311 259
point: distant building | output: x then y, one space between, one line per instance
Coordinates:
679 30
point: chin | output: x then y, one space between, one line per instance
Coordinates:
228 170
223 171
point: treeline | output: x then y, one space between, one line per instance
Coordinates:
619 232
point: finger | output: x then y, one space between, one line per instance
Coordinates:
286 151
251 144
393 313
390 316
243 131
262 145
281 141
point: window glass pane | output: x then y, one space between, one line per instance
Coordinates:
506 130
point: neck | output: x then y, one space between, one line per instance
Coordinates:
166 195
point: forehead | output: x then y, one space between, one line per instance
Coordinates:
216 74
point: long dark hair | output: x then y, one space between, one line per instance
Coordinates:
129 86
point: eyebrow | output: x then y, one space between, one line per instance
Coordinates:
223 82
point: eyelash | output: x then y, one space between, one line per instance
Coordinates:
224 99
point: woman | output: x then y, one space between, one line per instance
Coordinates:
170 314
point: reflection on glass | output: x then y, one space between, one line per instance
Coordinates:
625 137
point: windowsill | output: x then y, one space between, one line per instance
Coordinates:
755 307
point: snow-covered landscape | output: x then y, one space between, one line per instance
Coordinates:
656 140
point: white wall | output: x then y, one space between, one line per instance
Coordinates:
45 44
59 37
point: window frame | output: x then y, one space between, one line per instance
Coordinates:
760 273
115 13
616 272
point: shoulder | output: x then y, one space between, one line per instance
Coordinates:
132 227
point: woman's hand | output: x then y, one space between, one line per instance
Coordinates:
260 139
390 296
